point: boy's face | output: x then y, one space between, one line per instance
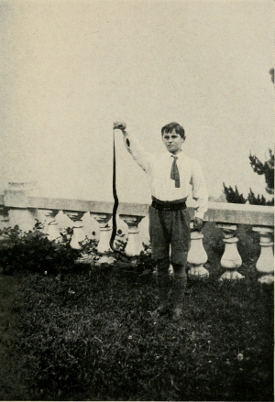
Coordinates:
173 142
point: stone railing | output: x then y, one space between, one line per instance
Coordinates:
19 207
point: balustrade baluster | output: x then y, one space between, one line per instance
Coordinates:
134 245
37 216
50 228
89 226
231 259
105 231
197 255
78 232
265 263
21 217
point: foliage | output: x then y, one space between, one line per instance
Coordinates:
262 168
259 199
233 195
266 168
119 258
33 251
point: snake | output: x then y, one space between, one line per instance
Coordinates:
116 201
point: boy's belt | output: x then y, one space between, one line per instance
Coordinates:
168 205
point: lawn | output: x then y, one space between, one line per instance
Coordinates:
88 334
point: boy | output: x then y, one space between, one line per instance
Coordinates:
170 176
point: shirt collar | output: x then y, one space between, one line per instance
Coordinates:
180 155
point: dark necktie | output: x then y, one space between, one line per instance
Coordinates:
175 175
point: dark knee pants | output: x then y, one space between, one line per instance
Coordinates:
169 229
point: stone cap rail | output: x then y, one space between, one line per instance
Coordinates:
257 215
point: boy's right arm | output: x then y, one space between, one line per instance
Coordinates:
133 147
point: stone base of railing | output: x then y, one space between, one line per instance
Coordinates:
231 276
266 279
199 272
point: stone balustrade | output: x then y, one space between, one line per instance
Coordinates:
19 206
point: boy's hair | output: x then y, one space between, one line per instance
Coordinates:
168 128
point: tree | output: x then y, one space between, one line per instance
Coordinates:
266 169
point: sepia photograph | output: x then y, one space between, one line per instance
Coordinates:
137 200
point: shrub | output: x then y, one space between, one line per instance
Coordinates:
33 251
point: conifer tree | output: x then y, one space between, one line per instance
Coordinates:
266 169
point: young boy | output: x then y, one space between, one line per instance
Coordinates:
170 176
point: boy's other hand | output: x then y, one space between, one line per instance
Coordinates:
119 125
198 224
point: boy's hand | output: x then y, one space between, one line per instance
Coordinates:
198 224
119 125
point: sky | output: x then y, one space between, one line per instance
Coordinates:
70 68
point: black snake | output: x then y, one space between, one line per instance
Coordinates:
116 202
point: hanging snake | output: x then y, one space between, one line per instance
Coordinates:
116 201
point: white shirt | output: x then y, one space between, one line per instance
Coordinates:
158 169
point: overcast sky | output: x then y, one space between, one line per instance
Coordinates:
70 68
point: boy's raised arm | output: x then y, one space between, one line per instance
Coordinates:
133 147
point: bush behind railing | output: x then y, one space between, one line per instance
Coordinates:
34 252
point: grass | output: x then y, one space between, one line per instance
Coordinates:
89 335
11 367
